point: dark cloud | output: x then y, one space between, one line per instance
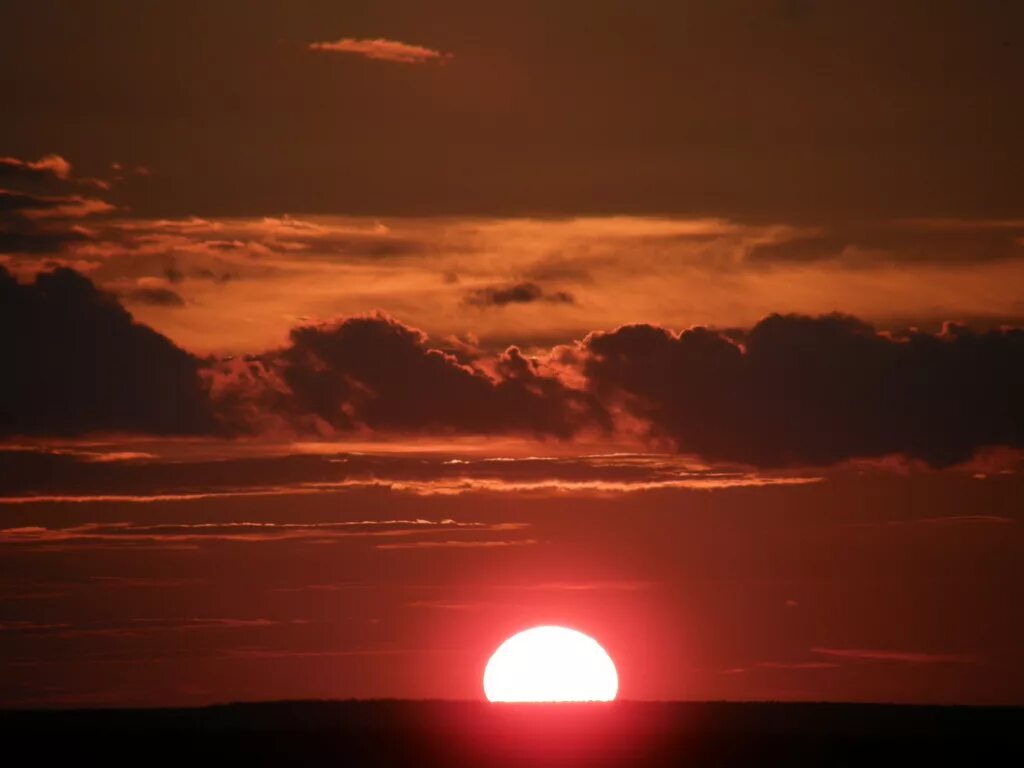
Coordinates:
791 391
375 372
517 293
817 390
43 206
19 202
34 223
173 274
75 362
36 240
157 297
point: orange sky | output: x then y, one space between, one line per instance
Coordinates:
342 340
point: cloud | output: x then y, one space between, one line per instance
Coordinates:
456 544
517 293
906 657
33 240
799 390
373 372
142 627
32 223
908 242
132 534
77 362
47 207
64 476
48 165
792 391
155 296
945 522
383 50
71 207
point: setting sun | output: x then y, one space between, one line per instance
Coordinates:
550 664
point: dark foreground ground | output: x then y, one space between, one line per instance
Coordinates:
433 733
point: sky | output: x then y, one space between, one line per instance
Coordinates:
345 339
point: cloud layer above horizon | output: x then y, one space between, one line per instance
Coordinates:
790 391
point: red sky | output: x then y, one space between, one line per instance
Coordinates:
342 340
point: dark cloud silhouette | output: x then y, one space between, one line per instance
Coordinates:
791 391
517 293
375 372
817 390
75 362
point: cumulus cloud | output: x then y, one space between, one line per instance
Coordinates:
382 50
798 390
373 372
77 362
517 293
792 391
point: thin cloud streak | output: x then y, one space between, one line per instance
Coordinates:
245 532
458 544
382 49
906 657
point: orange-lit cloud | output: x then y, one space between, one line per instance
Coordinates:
247 281
713 393
383 50
52 164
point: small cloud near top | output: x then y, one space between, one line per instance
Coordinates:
383 50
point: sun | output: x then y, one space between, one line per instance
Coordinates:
550 664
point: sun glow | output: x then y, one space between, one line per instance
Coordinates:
550 664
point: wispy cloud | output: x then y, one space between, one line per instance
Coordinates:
131 534
459 544
907 657
382 50
796 665
52 165
140 627
946 521
412 474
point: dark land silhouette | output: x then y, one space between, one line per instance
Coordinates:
436 733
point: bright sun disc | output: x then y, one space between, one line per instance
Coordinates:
550 664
